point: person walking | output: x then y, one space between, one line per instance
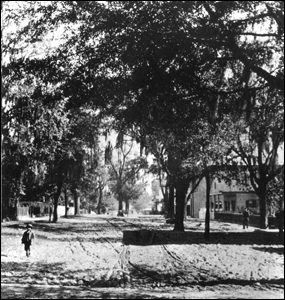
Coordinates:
245 218
27 238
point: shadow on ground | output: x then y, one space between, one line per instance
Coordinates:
279 250
160 237
62 228
42 292
25 266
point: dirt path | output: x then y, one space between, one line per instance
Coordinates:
110 256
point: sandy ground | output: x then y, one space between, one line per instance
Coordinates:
104 257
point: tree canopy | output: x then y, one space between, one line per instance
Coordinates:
159 71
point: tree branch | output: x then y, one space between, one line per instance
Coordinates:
247 161
258 34
272 80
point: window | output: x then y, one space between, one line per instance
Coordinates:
219 205
230 205
251 204
233 205
216 204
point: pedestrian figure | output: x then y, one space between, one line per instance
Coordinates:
27 238
280 221
245 218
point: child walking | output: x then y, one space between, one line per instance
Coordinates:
27 238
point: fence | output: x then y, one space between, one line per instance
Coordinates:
22 211
237 219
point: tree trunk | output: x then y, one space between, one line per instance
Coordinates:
120 207
56 197
170 212
164 192
166 200
185 209
76 204
65 202
50 211
263 221
207 218
127 206
16 216
181 191
55 216
99 201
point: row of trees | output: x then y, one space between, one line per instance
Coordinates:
199 84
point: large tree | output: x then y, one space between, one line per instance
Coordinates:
156 64
183 61
258 142
45 136
32 131
124 169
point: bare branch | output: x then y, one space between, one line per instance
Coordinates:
259 34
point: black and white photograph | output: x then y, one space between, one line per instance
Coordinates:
142 150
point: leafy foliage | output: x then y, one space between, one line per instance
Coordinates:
165 72
125 171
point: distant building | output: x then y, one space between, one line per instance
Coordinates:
231 198
32 209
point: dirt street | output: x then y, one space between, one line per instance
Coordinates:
103 257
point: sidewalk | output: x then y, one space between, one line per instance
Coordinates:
26 218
